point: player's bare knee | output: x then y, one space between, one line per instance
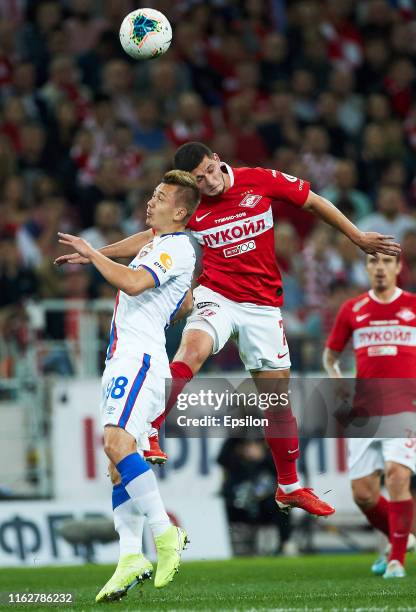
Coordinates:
365 500
195 348
273 389
397 479
117 443
109 441
109 448
365 495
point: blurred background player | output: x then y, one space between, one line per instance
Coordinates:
240 290
382 325
151 291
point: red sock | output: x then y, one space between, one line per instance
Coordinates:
181 375
281 435
400 521
378 515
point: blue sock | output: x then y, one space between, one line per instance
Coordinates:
141 485
120 495
130 467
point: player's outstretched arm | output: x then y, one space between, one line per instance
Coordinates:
330 362
369 242
132 282
128 247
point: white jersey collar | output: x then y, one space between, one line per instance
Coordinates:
397 293
229 172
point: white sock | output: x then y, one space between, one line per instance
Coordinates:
290 487
129 525
144 492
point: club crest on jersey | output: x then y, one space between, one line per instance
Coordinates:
406 314
250 201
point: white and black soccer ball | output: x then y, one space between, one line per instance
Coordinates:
145 34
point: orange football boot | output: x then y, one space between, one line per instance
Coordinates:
155 454
305 499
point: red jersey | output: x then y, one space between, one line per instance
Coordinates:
383 334
384 341
235 230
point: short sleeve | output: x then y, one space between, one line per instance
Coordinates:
281 186
170 258
341 331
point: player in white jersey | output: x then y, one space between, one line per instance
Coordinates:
152 289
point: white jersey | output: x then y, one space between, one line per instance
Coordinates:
139 322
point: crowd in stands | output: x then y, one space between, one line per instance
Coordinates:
323 90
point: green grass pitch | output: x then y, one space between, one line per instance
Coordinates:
328 582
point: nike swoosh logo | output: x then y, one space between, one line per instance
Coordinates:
293 451
202 216
281 356
362 317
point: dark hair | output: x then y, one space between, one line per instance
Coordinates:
190 155
187 193
398 256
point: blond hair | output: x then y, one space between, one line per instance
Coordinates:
187 194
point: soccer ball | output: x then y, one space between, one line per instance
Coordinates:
145 33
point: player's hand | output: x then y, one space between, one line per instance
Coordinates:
71 258
372 242
81 246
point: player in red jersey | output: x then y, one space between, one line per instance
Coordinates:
240 289
382 325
